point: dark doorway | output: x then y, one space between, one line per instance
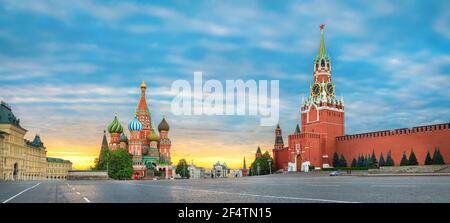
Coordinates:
15 171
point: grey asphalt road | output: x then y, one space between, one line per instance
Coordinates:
268 189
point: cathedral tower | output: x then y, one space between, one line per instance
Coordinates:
164 141
135 141
143 115
115 129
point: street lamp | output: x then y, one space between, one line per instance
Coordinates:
270 165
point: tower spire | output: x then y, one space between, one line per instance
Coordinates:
322 50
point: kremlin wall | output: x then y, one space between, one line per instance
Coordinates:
322 131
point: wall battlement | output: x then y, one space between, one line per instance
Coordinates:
304 135
395 132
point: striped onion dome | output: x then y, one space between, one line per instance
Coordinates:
153 136
135 125
115 126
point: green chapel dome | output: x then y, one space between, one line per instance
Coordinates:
153 136
115 126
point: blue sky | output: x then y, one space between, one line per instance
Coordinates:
66 67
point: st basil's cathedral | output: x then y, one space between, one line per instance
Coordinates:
150 151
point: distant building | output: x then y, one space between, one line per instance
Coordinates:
21 159
58 168
196 172
219 170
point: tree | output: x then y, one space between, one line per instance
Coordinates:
342 161
359 162
367 161
263 163
381 162
354 162
336 162
412 159
404 161
437 157
428 160
120 165
102 161
373 159
182 169
389 160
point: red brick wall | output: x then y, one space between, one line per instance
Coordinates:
421 139
281 158
310 146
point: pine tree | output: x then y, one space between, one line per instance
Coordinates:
354 162
363 161
412 159
404 161
359 163
437 157
373 159
428 160
342 161
367 161
381 162
336 160
389 160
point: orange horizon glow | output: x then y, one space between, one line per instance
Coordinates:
85 160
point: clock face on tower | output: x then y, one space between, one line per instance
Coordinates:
330 89
315 89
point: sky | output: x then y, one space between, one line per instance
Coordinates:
67 67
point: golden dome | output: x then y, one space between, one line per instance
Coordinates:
143 85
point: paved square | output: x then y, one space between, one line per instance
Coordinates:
267 189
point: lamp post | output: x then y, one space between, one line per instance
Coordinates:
270 165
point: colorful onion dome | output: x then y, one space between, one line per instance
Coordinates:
115 126
135 125
153 136
163 125
123 138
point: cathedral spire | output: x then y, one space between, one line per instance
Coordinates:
104 142
142 106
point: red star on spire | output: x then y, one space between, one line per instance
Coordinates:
322 26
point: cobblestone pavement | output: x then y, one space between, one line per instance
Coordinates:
274 188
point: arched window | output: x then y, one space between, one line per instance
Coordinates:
322 63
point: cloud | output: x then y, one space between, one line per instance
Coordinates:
442 23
